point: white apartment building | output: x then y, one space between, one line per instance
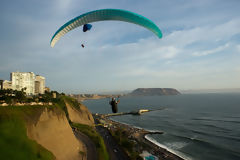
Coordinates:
23 80
39 85
5 84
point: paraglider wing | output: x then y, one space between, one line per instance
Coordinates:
87 27
102 15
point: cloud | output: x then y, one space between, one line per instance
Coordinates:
121 55
238 48
212 51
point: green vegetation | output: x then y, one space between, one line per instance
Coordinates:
24 113
60 102
12 97
73 102
121 136
96 138
15 144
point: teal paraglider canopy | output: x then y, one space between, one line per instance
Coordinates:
103 15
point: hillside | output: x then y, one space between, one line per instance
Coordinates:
154 91
43 132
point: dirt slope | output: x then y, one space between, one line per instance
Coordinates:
54 133
81 115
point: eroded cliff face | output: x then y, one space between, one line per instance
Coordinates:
54 133
80 115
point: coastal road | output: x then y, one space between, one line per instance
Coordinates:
91 148
114 150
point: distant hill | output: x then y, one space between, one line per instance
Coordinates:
154 91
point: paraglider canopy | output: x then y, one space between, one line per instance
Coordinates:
103 15
87 27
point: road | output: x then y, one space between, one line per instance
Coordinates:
114 150
91 148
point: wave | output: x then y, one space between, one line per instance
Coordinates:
206 144
216 127
232 117
193 139
215 120
215 135
181 155
177 145
212 126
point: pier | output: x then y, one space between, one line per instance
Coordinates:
138 112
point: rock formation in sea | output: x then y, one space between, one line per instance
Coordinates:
154 91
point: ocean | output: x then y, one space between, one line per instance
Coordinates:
195 126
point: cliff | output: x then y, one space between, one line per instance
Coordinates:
78 113
154 91
46 129
53 132
44 132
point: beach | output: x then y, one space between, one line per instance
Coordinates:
139 137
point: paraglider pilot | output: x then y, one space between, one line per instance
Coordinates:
86 27
114 103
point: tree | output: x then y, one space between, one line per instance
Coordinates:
20 96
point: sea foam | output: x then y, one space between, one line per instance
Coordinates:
183 156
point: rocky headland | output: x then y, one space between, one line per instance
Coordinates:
154 92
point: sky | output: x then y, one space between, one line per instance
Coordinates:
200 48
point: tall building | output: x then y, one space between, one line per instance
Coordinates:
5 84
23 81
1 84
39 85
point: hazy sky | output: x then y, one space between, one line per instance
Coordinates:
200 47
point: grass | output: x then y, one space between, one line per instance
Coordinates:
73 102
60 102
96 138
15 144
22 112
121 136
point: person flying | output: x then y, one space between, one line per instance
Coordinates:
114 103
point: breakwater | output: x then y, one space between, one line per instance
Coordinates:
138 112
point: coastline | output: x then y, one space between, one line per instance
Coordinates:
140 136
91 98
164 147
80 98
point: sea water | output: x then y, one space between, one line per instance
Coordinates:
195 126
